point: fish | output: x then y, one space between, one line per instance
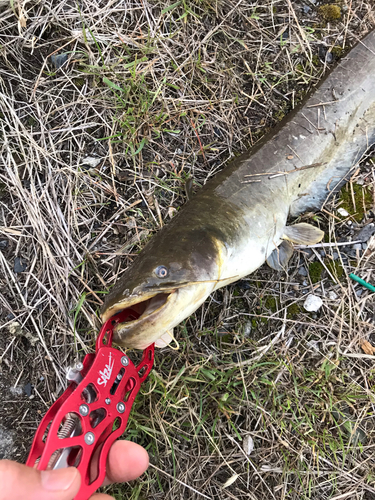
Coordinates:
239 219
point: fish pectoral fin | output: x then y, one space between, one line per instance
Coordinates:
303 234
280 257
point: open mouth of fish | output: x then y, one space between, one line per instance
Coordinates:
143 306
153 314
159 310
147 307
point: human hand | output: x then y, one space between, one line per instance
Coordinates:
126 461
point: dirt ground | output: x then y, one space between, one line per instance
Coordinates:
107 109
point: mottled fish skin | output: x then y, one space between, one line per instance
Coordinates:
228 229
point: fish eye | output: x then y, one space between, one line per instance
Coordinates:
161 272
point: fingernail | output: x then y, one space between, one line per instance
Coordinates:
58 480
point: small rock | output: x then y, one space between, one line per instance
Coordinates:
285 35
248 445
91 162
306 9
3 244
58 60
302 271
325 55
238 357
343 212
357 246
247 329
308 252
217 132
332 295
20 265
335 255
243 285
16 391
312 303
366 232
359 292
364 246
10 316
28 388
329 57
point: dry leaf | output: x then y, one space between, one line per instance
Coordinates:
248 445
171 212
367 348
230 481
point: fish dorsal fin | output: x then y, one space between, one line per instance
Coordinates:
280 257
303 234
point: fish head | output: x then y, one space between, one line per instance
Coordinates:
169 280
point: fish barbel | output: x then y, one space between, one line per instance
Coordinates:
238 220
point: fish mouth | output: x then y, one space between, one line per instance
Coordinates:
151 308
160 311
144 306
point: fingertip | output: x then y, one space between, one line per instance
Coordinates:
126 461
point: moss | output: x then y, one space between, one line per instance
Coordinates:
79 82
270 303
279 115
227 338
315 271
293 310
315 60
330 12
337 51
299 67
335 268
361 194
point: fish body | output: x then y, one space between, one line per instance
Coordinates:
238 220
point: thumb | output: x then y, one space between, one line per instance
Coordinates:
20 482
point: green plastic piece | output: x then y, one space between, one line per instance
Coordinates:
362 282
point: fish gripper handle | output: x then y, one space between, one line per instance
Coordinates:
79 429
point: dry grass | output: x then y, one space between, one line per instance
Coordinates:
160 93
